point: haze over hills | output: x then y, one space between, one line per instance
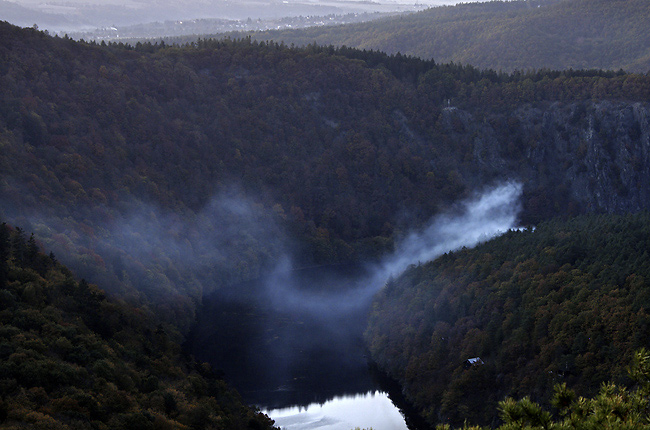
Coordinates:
159 30
81 15
514 35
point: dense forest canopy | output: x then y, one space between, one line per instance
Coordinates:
503 35
160 171
614 407
564 302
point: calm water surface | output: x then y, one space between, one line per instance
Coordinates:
293 346
373 409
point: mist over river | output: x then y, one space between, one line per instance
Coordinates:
305 369
292 343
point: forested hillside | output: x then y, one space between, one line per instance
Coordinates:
72 358
160 172
504 35
614 407
164 172
565 302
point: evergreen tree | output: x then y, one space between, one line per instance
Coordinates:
18 247
32 254
4 254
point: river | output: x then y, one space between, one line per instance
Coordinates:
292 345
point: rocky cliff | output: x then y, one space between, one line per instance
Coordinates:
572 157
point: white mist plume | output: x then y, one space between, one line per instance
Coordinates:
488 215
479 219
315 315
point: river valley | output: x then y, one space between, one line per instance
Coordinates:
302 359
294 338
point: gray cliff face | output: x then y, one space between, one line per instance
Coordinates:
579 157
600 152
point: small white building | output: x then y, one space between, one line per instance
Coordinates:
471 362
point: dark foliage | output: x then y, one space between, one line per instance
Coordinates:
72 358
560 303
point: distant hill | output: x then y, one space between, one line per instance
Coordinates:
26 17
515 35
144 16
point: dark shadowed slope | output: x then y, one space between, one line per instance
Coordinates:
566 302
72 358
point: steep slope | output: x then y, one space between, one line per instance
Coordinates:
566 302
71 358
514 35
163 172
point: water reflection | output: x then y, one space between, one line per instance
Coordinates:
306 365
373 409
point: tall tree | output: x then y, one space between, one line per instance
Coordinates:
4 254
18 247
